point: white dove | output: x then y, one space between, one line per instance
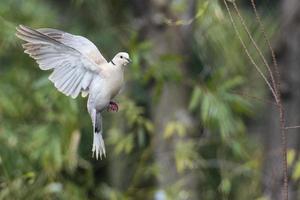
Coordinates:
78 66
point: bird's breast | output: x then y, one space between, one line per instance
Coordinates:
115 82
116 85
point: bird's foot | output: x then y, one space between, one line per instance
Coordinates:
112 107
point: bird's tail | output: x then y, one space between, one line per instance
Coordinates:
98 142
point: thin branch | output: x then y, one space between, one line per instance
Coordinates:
256 47
274 60
280 105
292 127
275 91
247 52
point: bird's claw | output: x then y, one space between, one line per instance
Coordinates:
112 107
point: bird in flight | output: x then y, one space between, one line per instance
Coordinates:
78 67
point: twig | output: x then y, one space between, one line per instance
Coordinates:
292 127
274 60
256 47
275 89
247 52
279 102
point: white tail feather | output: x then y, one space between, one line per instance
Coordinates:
98 146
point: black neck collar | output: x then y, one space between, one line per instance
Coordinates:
112 62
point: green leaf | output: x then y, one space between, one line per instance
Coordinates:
296 172
174 128
195 99
291 155
225 186
232 83
186 155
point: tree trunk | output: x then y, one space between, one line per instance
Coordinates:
173 100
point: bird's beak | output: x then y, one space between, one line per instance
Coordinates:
129 60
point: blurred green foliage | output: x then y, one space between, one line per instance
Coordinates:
45 137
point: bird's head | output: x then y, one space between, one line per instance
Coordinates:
121 59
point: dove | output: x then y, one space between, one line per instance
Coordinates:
78 67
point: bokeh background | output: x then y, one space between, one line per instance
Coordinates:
196 120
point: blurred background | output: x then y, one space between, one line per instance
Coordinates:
196 121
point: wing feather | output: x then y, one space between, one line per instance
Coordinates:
59 73
80 43
60 83
77 77
69 82
86 80
77 87
74 59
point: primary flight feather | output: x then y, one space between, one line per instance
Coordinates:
78 67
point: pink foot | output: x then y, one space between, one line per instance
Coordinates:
112 107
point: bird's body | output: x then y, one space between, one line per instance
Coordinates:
106 86
78 67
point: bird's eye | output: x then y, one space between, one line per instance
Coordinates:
121 56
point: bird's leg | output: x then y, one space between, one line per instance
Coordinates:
112 106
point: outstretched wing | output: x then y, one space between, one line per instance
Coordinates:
74 59
82 44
